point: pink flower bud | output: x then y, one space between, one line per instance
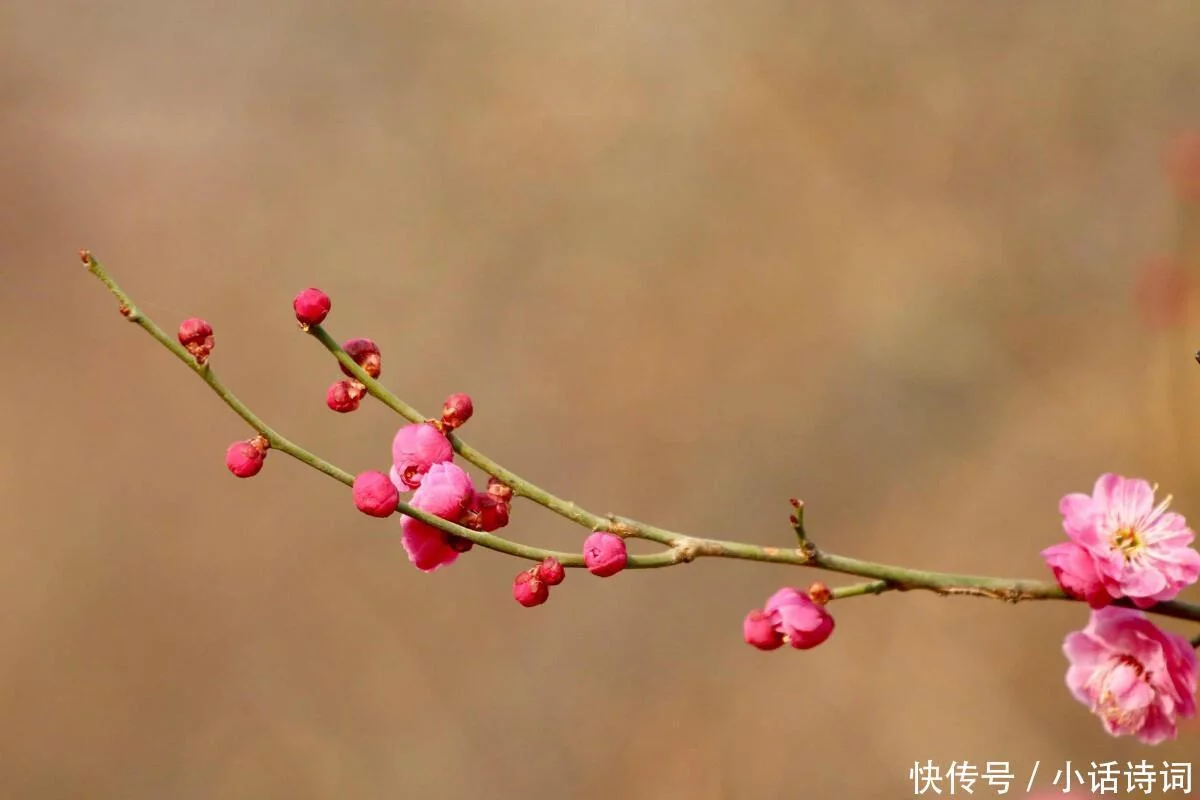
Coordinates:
759 631
551 571
803 623
365 353
529 590
604 554
457 410
344 396
499 490
485 513
374 494
1075 570
196 336
245 459
311 306
415 448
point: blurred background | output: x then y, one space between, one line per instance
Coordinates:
690 259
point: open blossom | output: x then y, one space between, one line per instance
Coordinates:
415 448
1139 549
444 492
1137 678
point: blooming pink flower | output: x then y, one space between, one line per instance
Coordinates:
1075 570
803 623
1136 677
1140 550
374 494
444 492
604 554
415 449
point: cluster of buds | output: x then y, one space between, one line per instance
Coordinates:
532 586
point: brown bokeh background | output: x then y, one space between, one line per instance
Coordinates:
690 259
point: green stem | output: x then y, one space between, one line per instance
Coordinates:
681 547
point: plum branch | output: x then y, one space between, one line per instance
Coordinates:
679 548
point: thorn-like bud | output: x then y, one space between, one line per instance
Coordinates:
820 593
759 631
85 256
551 571
311 307
196 336
529 590
456 411
365 353
375 494
245 459
344 396
604 554
499 489
795 503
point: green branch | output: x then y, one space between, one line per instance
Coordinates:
681 548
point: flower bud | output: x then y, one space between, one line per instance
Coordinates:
759 631
551 571
245 459
529 590
485 513
196 336
365 353
374 494
604 554
459 544
499 489
1075 571
820 593
345 396
311 307
457 410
